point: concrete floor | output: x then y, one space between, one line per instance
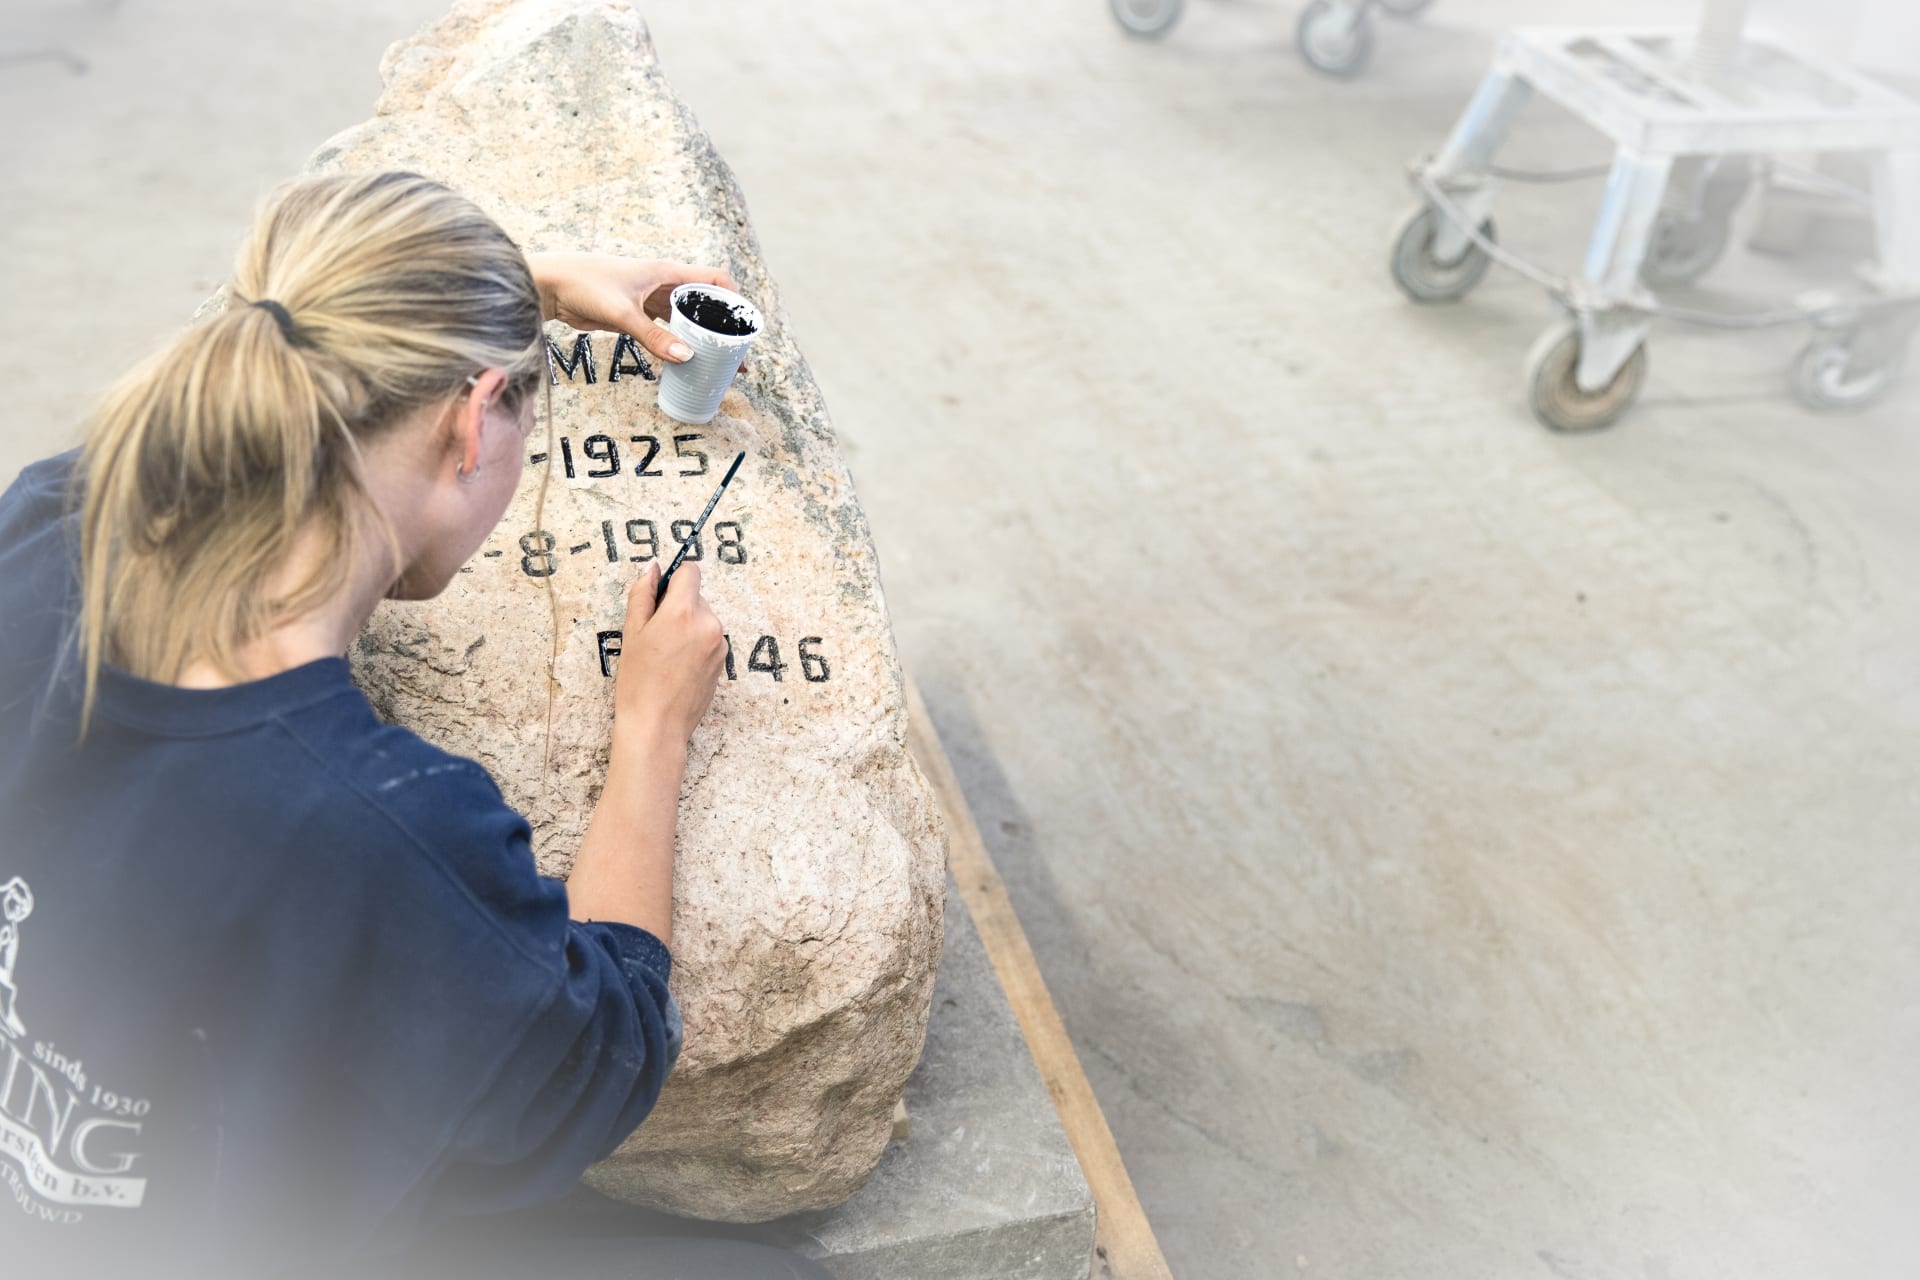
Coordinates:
1456 850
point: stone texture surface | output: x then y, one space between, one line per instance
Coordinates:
809 885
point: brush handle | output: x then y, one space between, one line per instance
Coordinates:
698 526
667 577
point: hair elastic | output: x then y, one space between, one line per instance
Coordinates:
283 318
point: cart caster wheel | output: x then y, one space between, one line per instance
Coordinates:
1422 276
1684 249
1334 39
1556 398
1148 19
1405 8
1847 370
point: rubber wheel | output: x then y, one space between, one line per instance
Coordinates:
1148 19
1847 370
1423 277
1684 249
1556 398
1329 44
1405 8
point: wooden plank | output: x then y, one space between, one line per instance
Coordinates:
1125 1247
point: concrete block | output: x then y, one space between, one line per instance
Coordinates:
985 1187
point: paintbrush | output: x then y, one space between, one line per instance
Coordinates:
698 525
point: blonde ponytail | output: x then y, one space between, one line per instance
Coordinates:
356 301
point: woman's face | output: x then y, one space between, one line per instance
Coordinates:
471 511
503 457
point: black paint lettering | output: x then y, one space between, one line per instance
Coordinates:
730 550
814 665
582 356
652 543
626 348
684 454
538 562
766 657
688 532
603 450
652 444
566 454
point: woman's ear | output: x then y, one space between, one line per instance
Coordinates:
470 419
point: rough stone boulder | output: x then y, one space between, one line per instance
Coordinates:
807 914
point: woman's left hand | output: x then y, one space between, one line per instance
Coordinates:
619 295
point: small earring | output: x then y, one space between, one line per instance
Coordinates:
467 477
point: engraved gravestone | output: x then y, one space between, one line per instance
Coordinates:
807 917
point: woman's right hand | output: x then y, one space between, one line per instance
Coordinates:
670 659
670 663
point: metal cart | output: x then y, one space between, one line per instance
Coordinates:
1334 36
1694 117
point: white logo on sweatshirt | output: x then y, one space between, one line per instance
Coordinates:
64 1145
16 904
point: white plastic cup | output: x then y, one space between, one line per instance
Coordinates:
690 391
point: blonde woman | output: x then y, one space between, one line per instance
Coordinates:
293 990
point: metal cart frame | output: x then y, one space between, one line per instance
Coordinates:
1688 115
1333 36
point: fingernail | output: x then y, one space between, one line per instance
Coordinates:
680 351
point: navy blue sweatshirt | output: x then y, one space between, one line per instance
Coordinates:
279 983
